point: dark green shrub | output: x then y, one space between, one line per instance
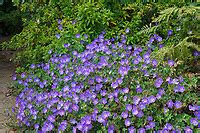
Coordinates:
10 19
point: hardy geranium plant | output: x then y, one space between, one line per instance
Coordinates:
110 86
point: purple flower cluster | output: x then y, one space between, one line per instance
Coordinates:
196 53
104 82
176 104
155 37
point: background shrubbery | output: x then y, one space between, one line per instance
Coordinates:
10 19
40 25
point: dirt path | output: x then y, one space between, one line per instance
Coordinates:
6 101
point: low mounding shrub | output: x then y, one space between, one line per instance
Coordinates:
110 86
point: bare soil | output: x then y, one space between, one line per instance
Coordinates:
7 101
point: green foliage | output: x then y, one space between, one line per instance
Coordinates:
92 16
184 41
10 19
40 25
183 51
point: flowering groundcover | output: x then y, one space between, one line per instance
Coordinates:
110 86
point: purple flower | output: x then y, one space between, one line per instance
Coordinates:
101 36
151 40
116 92
135 61
51 118
75 107
100 119
125 98
136 100
103 100
168 126
140 114
90 81
158 38
127 30
131 129
58 36
73 121
149 118
194 121
197 114
147 61
124 114
47 127
158 82
158 96
124 41
119 80
181 78
193 107
141 130
23 75
114 85
142 106
62 126
146 55
36 126
151 99
188 130
78 35
111 129
154 62
170 32
161 46
165 110
171 63
59 21
125 90
103 92
178 104
128 107
179 88
170 104
79 126
66 45
74 22
99 79
196 53
60 27
173 81
139 89
105 114
86 36
127 122
161 91
123 70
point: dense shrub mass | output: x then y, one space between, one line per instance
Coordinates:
40 26
109 86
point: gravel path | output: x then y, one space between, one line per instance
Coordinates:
6 101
